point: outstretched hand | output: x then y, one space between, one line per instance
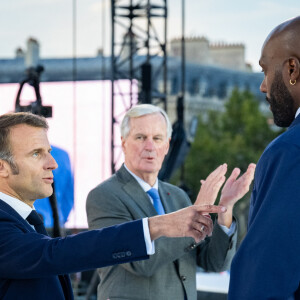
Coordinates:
210 187
191 221
234 189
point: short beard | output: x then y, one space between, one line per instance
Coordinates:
281 102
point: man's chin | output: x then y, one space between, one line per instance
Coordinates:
47 193
283 123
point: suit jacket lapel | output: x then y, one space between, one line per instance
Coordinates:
64 279
165 197
7 208
137 196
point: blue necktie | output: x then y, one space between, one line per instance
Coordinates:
35 220
153 193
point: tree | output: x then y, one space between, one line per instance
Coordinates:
236 136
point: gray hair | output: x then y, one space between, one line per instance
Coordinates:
142 110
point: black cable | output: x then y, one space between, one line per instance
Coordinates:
57 232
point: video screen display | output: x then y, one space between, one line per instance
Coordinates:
81 125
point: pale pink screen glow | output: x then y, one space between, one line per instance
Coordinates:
81 124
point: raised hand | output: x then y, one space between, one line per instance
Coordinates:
210 187
234 189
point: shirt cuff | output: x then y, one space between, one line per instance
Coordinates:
149 244
229 231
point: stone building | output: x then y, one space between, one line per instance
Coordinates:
212 72
200 51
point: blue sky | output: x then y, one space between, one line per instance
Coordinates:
51 23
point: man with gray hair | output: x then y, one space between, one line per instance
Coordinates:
135 192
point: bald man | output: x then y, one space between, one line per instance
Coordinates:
267 265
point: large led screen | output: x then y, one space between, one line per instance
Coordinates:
81 125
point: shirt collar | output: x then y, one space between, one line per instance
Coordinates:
20 207
144 185
297 112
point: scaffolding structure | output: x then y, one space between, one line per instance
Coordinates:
135 45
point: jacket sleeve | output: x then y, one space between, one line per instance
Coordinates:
216 252
27 254
267 265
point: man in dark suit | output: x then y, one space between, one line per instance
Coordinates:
267 265
134 192
33 265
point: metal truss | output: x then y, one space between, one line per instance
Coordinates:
138 54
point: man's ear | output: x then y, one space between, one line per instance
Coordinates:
4 168
293 68
123 144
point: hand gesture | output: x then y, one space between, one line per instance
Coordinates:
210 187
191 221
234 189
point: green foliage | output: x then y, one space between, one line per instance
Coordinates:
237 136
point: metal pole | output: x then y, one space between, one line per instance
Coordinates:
183 50
181 98
165 58
112 84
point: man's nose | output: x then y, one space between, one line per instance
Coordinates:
149 144
263 86
51 162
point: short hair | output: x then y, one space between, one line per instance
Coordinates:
142 110
9 120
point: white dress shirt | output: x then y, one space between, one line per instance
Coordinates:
297 112
19 206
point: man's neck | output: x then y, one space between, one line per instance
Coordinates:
12 194
19 206
151 179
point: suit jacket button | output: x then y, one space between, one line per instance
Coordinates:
183 278
128 253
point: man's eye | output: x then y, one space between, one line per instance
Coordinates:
35 154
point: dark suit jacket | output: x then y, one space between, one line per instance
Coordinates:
267 265
30 262
172 269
